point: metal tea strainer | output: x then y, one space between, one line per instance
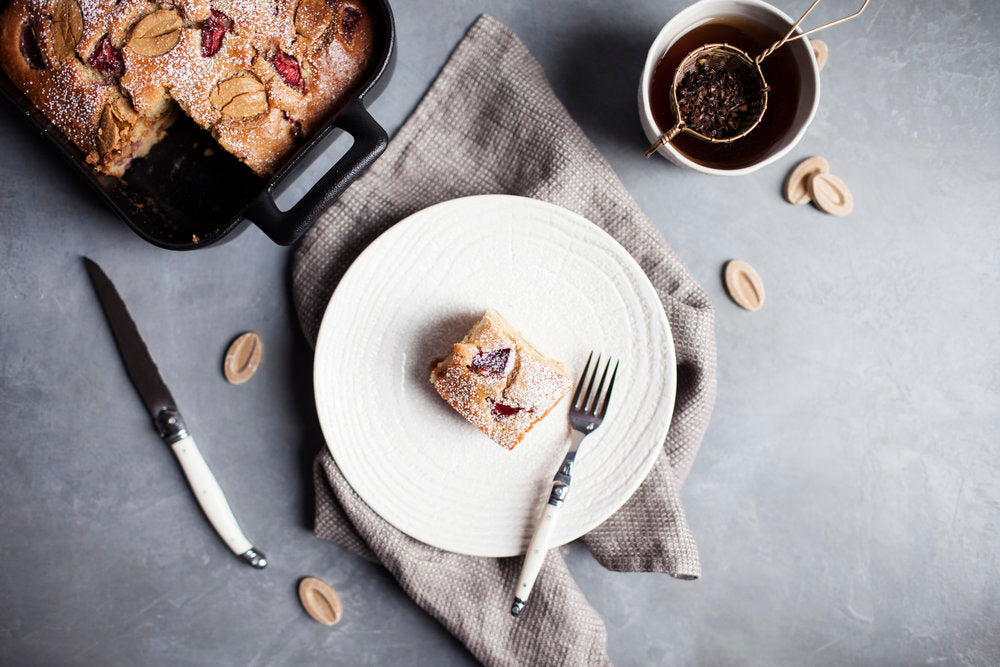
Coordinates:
725 58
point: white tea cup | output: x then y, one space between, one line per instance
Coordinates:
755 10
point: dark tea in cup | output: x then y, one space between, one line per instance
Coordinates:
779 69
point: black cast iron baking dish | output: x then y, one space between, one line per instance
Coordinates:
189 193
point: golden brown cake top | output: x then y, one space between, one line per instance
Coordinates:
259 74
69 93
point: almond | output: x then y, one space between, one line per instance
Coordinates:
744 285
67 28
240 96
114 126
156 33
320 601
796 190
820 51
830 194
243 358
312 18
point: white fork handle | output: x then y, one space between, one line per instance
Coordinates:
213 502
533 559
538 548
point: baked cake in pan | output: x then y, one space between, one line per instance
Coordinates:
498 381
258 74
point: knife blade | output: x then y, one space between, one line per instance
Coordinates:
167 418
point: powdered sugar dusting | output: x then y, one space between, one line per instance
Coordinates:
502 405
72 95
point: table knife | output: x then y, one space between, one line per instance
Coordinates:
167 419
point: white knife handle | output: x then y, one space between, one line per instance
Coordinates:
213 502
533 559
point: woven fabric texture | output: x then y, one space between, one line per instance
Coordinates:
491 124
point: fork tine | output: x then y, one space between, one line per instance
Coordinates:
593 376
607 396
579 385
600 386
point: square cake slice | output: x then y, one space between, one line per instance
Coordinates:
499 381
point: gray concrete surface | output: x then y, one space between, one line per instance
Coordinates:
846 500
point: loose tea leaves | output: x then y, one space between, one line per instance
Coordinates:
712 101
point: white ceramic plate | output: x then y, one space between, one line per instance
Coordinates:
569 287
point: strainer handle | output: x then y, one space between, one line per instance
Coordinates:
664 138
788 38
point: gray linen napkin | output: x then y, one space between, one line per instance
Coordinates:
491 124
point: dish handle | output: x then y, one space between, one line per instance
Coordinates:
286 227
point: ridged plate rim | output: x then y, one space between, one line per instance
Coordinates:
380 470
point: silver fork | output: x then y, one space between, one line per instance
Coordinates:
584 416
